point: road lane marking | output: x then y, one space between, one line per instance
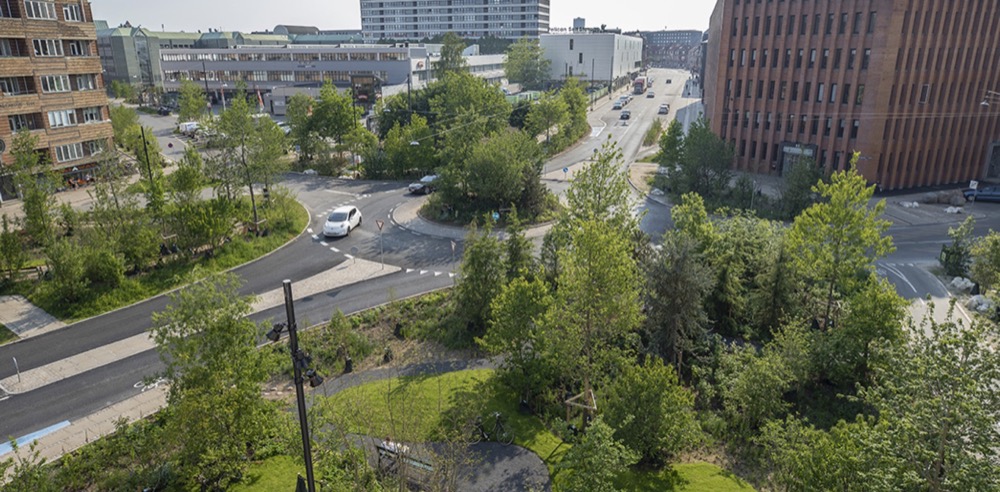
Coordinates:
900 274
34 436
349 257
324 243
309 230
335 250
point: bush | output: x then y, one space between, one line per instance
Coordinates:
104 267
66 263
653 134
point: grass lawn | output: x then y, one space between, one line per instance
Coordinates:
6 335
421 408
274 473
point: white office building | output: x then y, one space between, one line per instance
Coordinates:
595 57
471 19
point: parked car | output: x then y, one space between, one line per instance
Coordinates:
341 221
626 114
650 95
664 109
669 81
424 186
617 104
983 194
163 111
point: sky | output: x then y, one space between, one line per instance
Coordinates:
258 15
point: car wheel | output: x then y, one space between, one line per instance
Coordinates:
348 231
360 220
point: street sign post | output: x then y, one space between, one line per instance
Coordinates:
974 185
381 248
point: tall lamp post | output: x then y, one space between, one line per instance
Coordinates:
300 363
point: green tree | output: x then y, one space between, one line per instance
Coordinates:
34 183
149 160
26 470
334 114
191 102
298 117
803 458
985 264
573 95
13 254
874 316
548 112
526 64
250 145
520 259
651 412
704 165
219 419
481 277
597 310
958 254
124 121
592 464
451 59
797 188
752 388
407 159
671 146
838 241
66 264
600 190
678 283
496 168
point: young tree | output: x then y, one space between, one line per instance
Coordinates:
34 184
704 165
601 191
124 122
496 167
592 464
677 285
840 238
251 145
13 254
797 188
298 117
548 112
334 114
451 59
219 417
520 260
191 102
149 160
985 264
957 255
481 278
651 412
671 145
526 64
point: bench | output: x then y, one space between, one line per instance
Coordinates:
397 458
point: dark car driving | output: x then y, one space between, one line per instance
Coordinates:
983 194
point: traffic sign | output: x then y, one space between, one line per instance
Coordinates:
974 184
565 169
379 223
496 216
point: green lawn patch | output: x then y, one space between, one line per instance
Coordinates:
6 335
274 473
423 408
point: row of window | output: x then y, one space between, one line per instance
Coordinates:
285 57
270 75
804 123
39 9
788 29
15 86
821 58
11 47
61 118
752 153
781 91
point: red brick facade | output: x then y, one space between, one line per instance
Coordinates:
900 81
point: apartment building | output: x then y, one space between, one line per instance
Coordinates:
409 20
597 57
51 85
900 81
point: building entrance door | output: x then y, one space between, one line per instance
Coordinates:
993 165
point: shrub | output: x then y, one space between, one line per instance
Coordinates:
103 266
67 269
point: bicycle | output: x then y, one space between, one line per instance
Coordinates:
499 433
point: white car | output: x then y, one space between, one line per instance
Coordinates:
341 221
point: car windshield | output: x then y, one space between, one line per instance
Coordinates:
337 217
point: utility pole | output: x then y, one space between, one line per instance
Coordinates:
300 396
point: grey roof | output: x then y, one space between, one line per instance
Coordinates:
296 29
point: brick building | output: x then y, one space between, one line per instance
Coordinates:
50 83
900 81
672 49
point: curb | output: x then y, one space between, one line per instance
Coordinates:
647 196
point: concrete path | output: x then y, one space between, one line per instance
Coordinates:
24 319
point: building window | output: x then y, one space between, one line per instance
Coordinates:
784 90
55 83
22 121
72 12
812 58
35 9
842 28
828 127
788 58
816 21
86 82
802 25
753 58
791 25
749 89
16 86
840 129
829 24
871 22
802 124
860 97
851 57
814 128
790 127
763 58
743 58
866 58
777 24
92 115
571 44
62 118
736 23
732 57
47 47
756 26
767 122
767 26
69 152
756 119
826 58
580 58
798 58
753 148
806 90
856 28
836 58
94 147
770 90
854 128
833 93
820 92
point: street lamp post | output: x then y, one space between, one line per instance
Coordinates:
224 85
300 362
